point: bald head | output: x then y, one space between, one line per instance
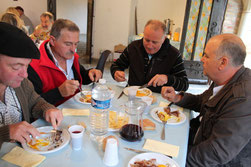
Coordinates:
232 46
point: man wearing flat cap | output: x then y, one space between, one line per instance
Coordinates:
19 103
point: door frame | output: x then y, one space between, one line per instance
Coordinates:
52 6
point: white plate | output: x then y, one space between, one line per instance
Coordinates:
65 137
78 96
126 90
160 159
170 121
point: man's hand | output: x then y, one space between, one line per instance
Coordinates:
21 132
95 75
119 76
68 88
158 80
168 93
54 116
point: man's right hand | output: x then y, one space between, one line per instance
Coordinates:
21 132
68 88
119 76
168 93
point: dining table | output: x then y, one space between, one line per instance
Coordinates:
91 154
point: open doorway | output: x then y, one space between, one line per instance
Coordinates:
76 11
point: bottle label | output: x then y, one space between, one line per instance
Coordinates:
101 104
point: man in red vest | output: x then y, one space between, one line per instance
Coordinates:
57 75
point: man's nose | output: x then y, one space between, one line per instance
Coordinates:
202 59
149 44
73 48
23 73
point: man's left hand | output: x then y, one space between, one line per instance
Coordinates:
95 75
158 80
54 116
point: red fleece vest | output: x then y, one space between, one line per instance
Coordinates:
50 75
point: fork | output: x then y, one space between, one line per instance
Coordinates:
81 93
163 134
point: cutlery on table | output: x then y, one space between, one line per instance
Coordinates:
169 105
163 134
134 150
121 94
93 84
81 93
141 151
143 86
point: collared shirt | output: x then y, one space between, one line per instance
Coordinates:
69 63
10 111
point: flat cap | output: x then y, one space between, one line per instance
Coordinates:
15 43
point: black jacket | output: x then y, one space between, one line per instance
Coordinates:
166 61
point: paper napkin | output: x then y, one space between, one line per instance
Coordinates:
75 112
20 157
165 104
160 147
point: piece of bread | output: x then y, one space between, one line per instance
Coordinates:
105 140
148 124
154 99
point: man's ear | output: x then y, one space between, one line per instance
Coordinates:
224 62
52 40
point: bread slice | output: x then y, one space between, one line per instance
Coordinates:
148 124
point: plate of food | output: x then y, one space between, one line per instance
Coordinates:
117 120
48 142
86 100
173 116
152 159
140 92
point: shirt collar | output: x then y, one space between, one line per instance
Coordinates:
69 63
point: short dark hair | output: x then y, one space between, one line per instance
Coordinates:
20 8
60 24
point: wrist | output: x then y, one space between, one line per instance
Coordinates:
180 96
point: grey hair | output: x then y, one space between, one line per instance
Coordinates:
233 47
156 24
60 24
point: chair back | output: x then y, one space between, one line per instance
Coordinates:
102 60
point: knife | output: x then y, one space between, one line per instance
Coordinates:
141 151
143 86
122 92
93 84
134 150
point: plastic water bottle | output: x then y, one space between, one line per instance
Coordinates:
99 115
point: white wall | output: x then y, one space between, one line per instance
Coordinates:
161 10
75 11
114 19
32 8
111 24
